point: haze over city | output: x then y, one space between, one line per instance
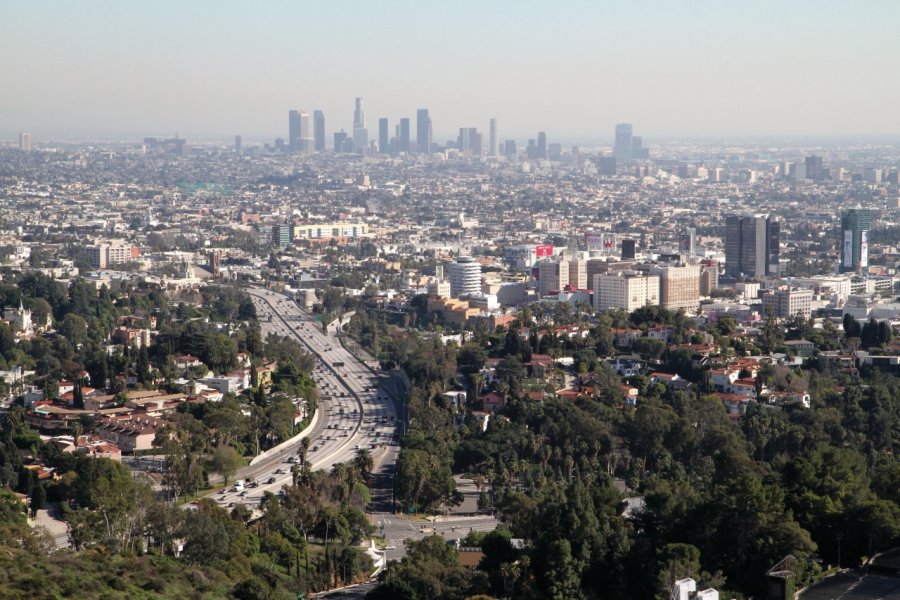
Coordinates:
689 69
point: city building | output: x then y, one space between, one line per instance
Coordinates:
465 276
306 133
855 225
628 291
329 231
237 145
469 141
25 142
628 249
383 135
423 131
294 131
360 133
709 277
578 274
787 303
281 234
102 255
679 287
319 130
553 276
751 245
623 143
403 136
492 139
814 168
542 145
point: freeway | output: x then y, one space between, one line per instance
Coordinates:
354 412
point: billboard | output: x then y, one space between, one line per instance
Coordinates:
848 248
864 249
543 250
593 241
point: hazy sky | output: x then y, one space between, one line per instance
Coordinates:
571 68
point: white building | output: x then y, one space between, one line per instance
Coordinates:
465 277
628 290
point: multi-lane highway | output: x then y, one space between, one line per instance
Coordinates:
354 412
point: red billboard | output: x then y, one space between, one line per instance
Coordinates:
543 250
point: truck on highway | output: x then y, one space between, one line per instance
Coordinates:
337 364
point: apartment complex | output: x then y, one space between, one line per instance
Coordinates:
629 291
679 287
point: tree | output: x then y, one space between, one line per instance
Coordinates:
563 579
225 461
363 462
38 498
649 348
74 329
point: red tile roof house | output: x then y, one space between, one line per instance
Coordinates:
539 364
492 401
664 378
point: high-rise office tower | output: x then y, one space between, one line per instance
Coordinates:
542 145
360 133
509 148
628 249
814 168
319 130
294 131
624 143
306 133
465 276
237 144
855 225
751 245
359 117
492 140
25 142
469 141
637 148
340 141
423 131
687 241
383 135
403 138
553 276
554 152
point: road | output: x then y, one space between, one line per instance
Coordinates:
354 411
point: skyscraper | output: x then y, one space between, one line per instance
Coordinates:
360 133
237 145
624 143
469 141
359 117
855 224
465 276
492 140
306 134
383 135
423 131
319 130
542 145
403 142
751 245
25 142
293 130
814 168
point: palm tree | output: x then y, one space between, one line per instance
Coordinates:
363 462
302 450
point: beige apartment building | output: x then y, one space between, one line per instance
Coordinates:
629 291
679 287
